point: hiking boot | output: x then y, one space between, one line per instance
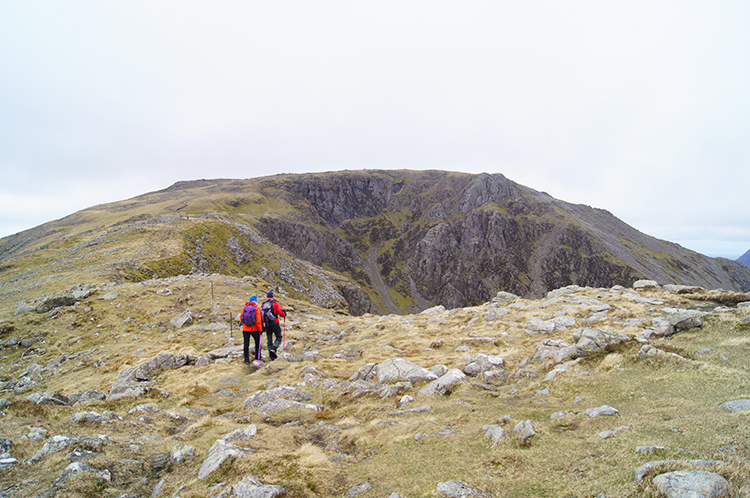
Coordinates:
272 354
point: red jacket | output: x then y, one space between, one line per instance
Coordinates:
258 327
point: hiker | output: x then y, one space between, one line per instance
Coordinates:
252 324
271 313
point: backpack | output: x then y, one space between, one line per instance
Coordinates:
248 315
268 312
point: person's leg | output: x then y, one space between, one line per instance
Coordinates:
246 346
273 333
256 337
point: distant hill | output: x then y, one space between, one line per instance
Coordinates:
367 241
745 258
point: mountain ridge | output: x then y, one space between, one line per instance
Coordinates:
407 239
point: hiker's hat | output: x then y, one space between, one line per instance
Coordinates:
270 294
253 299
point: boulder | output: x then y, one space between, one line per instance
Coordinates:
697 483
589 340
245 434
525 430
181 453
738 405
89 418
249 487
457 489
49 303
602 410
358 489
444 384
537 325
77 468
23 308
495 433
478 363
393 370
367 373
218 454
433 311
684 320
182 320
49 399
554 349
645 284
504 298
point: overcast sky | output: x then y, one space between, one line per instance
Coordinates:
638 107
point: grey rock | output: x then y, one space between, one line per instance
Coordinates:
366 373
89 418
648 351
284 392
504 298
23 308
49 303
397 388
608 434
405 400
738 405
496 376
537 325
184 319
479 363
181 453
644 469
495 311
444 384
495 433
589 340
358 489
420 409
457 489
110 296
396 369
87 396
525 430
605 410
58 443
218 454
49 399
77 468
645 284
694 483
554 349
245 434
10 341
684 320
157 489
249 487
433 311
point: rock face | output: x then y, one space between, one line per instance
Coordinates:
463 238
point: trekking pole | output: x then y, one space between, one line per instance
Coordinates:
283 337
257 347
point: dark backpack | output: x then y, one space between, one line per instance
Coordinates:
248 315
267 311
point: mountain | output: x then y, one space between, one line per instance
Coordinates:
122 368
745 258
364 241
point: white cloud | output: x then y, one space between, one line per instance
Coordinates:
640 108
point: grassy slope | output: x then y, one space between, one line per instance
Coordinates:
664 402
